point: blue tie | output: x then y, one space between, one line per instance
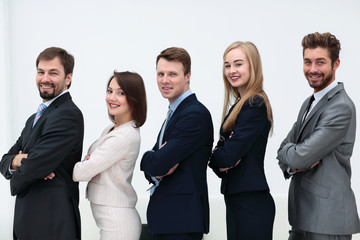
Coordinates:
164 126
39 112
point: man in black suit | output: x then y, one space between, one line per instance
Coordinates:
179 207
40 163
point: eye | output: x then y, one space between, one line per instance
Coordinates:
321 62
121 93
160 74
307 62
109 91
173 74
238 64
53 73
40 72
227 65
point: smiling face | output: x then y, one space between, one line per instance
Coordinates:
51 79
237 69
117 103
318 69
171 80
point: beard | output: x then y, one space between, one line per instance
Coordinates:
322 84
46 95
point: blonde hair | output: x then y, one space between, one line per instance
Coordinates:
253 88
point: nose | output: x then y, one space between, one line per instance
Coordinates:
232 69
45 77
313 68
165 79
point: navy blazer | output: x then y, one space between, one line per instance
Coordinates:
47 209
180 203
248 143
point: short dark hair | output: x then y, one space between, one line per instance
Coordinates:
66 59
324 40
134 89
178 55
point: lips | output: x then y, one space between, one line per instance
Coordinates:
46 86
111 105
234 78
315 77
167 89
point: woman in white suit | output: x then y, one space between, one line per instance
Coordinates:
110 160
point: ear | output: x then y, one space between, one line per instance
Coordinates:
187 77
68 79
336 64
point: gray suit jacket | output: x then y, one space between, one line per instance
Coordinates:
321 199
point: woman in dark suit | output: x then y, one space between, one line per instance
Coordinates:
238 157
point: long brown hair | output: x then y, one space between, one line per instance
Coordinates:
254 86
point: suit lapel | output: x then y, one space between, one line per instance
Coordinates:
33 131
57 102
323 101
186 102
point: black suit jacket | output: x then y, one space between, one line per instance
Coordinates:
180 203
248 143
47 209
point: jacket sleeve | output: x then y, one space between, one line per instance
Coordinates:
7 159
14 150
289 138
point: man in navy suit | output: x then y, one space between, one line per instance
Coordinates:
179 206
40 163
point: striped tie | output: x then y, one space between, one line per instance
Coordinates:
39 112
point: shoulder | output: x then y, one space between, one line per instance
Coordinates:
340 103
192 104
254 102
126 131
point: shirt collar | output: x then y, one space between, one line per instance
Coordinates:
47 103
177 102
320 94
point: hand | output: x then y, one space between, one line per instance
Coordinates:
315 164
87 157
50 176
215 148
231 134
226 169
16 162
169 172
312 166
162 145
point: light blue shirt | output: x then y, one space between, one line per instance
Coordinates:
177 102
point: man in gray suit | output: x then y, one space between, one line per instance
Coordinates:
316 152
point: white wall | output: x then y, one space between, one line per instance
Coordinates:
128 35
6 202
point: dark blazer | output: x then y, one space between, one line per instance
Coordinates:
248 143
321 199
47 209
180 203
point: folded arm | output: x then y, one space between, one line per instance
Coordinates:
58 137
329 133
